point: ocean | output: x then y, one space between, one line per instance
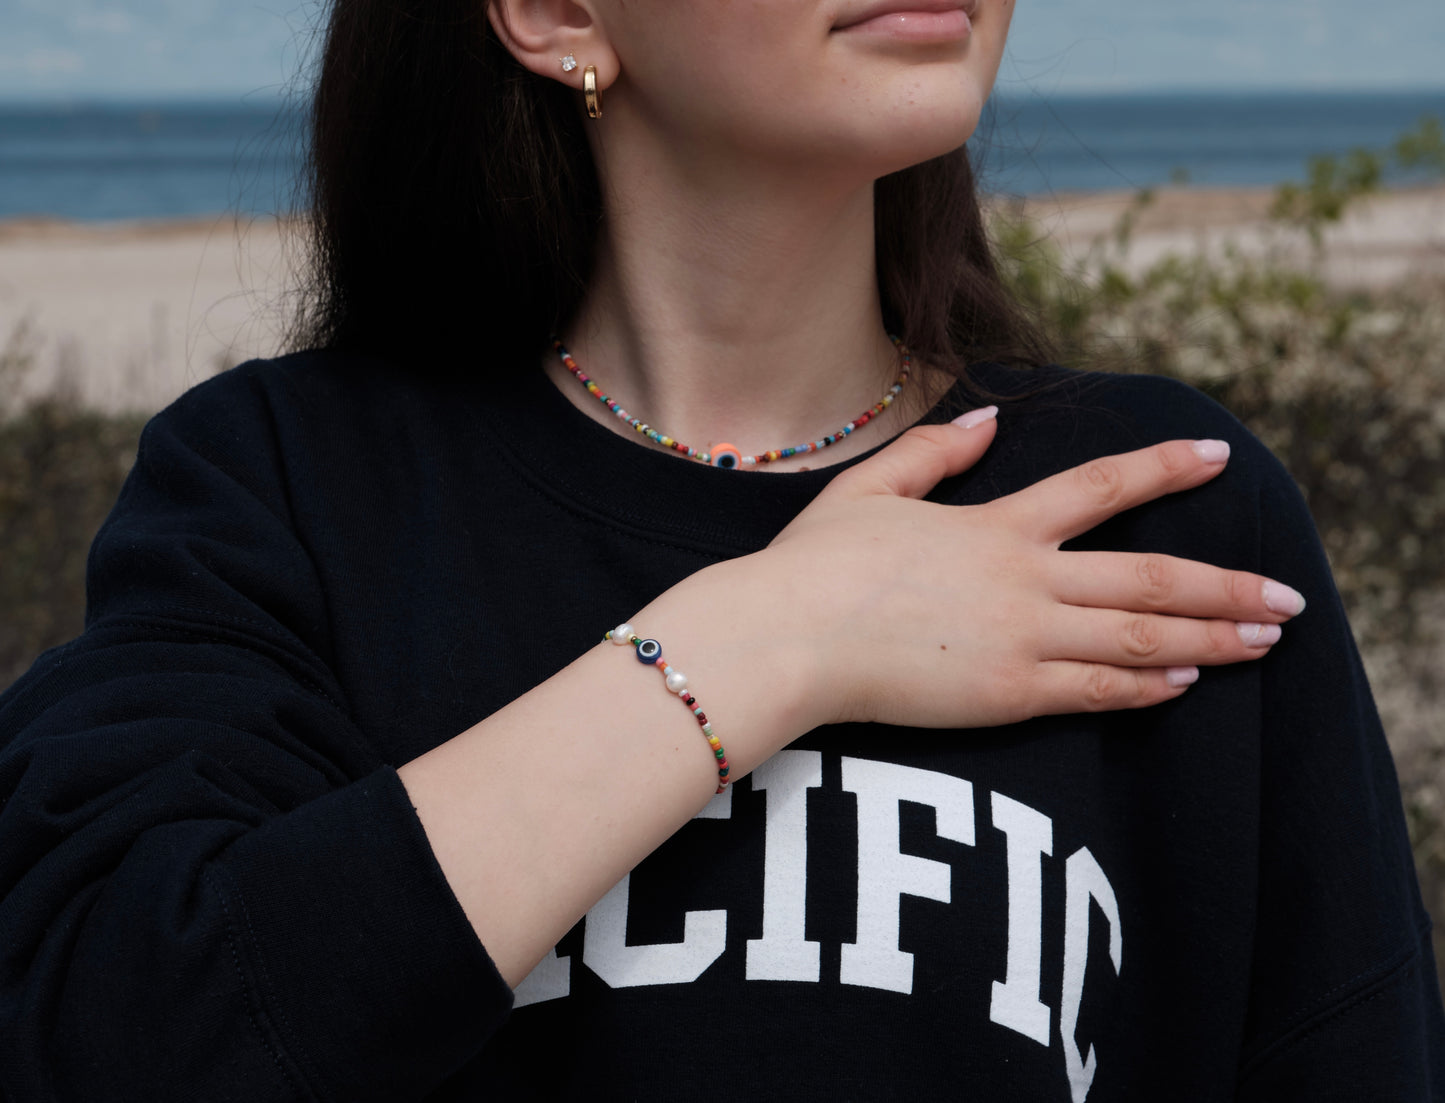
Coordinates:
107 161
1093 143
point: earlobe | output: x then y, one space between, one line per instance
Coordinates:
544 34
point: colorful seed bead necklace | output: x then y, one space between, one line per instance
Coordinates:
726 455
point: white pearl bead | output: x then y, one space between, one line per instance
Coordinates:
677 681
621 634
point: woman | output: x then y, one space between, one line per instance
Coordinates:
342 758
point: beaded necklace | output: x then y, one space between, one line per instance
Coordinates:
726 455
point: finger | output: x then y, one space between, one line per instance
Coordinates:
1118 638
1166 584
1062 687
1074 501
922 457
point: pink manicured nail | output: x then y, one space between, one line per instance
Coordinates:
976 417
1180 676
1279 598
1211 451
1259 635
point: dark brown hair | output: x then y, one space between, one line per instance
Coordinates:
455 208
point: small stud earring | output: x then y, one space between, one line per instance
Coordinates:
568 63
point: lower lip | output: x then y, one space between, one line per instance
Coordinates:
916 26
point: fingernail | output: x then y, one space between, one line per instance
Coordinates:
976 417
1259 635
1279 598
1211 451
1180 676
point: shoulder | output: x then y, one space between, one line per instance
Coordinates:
1054 418
1131 408
272 413
303 379
243 439
1252 516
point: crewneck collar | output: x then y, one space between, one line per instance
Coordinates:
640 485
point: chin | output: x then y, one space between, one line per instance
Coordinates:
916 136
904 126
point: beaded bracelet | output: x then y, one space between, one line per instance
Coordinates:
649 652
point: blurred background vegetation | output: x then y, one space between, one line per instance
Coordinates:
61 466
1347 387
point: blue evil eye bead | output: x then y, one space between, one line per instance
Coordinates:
649 651
725 455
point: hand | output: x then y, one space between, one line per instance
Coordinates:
928 615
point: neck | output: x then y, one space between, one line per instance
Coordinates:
740 308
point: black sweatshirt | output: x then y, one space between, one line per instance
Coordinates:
215 887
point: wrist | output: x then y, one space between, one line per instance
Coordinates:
726 628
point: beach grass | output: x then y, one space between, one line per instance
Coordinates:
61 467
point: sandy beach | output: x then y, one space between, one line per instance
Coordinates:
128 315
1381 240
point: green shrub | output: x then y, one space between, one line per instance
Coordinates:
61 467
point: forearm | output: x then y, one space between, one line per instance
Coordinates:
537 811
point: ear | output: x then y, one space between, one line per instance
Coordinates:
540 33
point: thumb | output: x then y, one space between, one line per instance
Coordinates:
924 456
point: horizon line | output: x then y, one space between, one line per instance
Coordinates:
271 98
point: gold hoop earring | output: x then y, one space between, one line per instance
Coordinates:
589 90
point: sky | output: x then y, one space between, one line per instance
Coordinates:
93 49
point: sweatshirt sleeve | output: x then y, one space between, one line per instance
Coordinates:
210 885
1345 1002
